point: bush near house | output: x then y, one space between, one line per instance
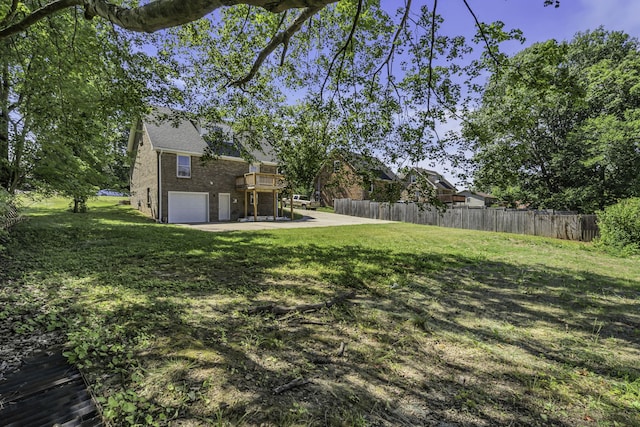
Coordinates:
620 227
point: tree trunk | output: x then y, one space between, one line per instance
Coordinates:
601 191
79 205
4 117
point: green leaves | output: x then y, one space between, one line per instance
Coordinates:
72 87
620 227
558 123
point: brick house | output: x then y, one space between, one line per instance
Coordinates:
346 175
421 184
171 179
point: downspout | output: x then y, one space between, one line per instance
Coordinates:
160 186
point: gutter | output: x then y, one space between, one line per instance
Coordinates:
159 219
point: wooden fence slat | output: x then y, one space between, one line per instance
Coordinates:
560 225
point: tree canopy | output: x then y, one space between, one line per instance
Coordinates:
67 88
558 126
377 79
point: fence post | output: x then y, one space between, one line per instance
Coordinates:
534 223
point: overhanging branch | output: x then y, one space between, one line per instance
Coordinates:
482 33
155 15
280 38
431 48
343 49
37 15
396 36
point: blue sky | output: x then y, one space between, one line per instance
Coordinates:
542 23
538 23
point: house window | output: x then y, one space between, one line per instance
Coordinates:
251 199
468 200
336 165
184 166
413 179
254 168
148 197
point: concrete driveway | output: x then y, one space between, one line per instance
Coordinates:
310 219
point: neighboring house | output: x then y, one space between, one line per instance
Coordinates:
477 198
171 182
346 175
422 184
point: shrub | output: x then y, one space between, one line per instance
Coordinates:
620 227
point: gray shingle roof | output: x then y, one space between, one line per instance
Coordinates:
437 180
172 132
368 165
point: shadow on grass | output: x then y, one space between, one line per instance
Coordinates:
431 337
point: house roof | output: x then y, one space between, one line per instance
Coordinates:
369 165
477 193
169 131
434 178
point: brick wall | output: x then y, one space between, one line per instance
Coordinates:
214 177
341 184
144 179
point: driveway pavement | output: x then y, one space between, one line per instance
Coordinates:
310 219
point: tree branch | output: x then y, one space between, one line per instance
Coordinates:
343 49
280 38
482 33
278 309
433 42
157 14
38 15
298 382
396 36
153 16
285 44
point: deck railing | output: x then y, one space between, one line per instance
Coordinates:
260 181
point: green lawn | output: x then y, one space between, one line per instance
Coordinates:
448 327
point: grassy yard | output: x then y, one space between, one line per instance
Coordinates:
448 327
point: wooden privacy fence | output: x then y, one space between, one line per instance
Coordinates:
560 225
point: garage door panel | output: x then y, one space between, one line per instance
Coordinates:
188 207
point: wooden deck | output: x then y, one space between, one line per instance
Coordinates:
47 391
255 181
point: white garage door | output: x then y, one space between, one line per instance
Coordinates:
188 207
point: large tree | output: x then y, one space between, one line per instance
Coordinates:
383 79
390 74
302 141
67 87
558 125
